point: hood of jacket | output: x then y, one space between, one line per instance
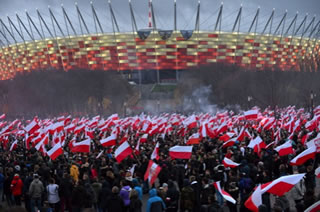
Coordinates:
153 192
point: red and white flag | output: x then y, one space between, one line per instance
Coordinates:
225 194
3 116
144 138
282 185
194 139
13 145
155 153
231 142
152 172
55 151
317 172
251 114
123 151
180 152
229 163
307 154
314 208
82 146
109 141
285 149
226 136
255 200
32 127
257 144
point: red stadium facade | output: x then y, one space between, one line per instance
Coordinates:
162 49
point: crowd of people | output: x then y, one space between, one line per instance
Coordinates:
96 181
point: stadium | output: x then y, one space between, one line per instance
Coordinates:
34 43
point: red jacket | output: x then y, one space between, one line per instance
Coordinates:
16 186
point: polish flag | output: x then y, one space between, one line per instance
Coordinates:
317 172
225 195
155 153
123 151
222 128
32 127
231 142
314 208
152 172
109 141
243 133
257 144
255 200
194 139
144 138
305 137
226 136
191 122
55 151
307 154
251 114
78 129
56 127
229 163
137 148
180 152
13 145
82 146
3 116
285 149
282 185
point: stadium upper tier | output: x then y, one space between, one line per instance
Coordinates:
292 47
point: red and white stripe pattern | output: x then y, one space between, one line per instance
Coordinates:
152 172
282 185
155 153
123 151
317 172
109 141
304 156
255 200
314 208
180 152
251 114
82 146
225 194
55 151
229 163
285 149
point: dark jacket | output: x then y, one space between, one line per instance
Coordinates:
115 203
135 205
187 201
155 203
104 194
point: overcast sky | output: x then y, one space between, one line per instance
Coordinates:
164 12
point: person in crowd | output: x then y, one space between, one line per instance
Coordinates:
53 195
137 187
155 203
125 194
114 201
96 186
65 192
187 201
35 192
172 197
135 202
16 189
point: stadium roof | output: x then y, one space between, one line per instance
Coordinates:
92 18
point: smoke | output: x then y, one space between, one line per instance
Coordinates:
198 101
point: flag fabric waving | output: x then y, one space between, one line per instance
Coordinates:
55 151
285 149
180 152
229 163
82 146
152 172
225 195
109 141
304 156
255 200
123 151
314 208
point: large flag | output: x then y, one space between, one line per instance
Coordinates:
255 200
123 151
144 138
225 195
251 114
285 149
82 146
231 142
152 172
257 144
194 139
229 163
109 141
282 185
32 127
180 152
307 154
314 208
55 151
155 153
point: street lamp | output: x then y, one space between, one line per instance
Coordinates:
158 106
125 109
312 96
